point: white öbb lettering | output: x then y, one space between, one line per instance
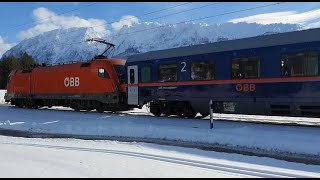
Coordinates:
71 81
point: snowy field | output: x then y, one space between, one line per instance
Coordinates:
138 124
2 92
27 158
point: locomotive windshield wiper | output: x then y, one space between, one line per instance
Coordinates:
109 46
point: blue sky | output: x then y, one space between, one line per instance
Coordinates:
20 20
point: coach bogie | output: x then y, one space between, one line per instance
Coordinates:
180 108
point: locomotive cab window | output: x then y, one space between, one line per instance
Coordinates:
167 72
300 64
145 74
103 73
246 68
202 70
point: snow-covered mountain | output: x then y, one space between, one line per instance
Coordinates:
64 45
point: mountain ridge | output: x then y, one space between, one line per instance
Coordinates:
65 45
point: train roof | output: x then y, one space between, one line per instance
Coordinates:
302 36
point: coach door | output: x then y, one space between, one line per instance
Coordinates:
132 73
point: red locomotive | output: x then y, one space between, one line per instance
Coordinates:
97 84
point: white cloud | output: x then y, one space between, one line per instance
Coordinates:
292 17
125 20
4 46
48 20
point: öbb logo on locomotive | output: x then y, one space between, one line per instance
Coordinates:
71 81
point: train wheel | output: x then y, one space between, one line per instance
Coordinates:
100 109
19 104
156 113
204 115
189 111
75 106
77 109
155 110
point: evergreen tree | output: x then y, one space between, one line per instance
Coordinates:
7 64
27 62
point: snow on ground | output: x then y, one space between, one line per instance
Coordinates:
2 92
24 157
293 139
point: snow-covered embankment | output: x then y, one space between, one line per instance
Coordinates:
2 92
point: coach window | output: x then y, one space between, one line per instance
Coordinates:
167 72
246 68
131 76
103 73
300 64
145 74
202 70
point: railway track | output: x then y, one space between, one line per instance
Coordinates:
277 120
257 119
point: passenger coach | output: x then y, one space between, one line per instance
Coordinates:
271 75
